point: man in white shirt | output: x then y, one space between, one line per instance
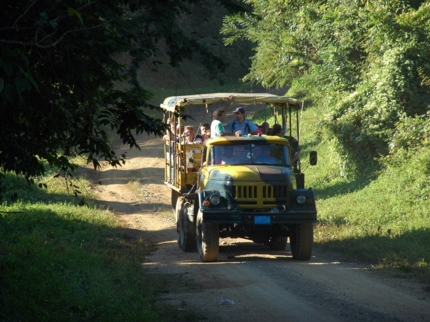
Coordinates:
217 127
240 126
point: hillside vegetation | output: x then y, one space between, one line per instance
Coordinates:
380 216
363 69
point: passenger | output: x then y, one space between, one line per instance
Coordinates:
179 130
170 134
205 130
294 144
189 137
277 130
240 126
265 127
217 127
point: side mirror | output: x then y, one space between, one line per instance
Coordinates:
313 158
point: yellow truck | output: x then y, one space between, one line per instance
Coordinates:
239 186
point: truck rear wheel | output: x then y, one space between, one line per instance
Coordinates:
207 239
187 235
278 243
301 241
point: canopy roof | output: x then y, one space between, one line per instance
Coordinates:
173 102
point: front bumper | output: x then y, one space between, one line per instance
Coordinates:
259 218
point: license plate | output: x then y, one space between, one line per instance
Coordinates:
262 220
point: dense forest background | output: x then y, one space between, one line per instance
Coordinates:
68 70
364 64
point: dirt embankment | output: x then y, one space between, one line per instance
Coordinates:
249 282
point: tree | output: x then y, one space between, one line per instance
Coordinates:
62 85
361 60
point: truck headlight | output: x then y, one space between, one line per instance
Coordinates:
301 199
215 200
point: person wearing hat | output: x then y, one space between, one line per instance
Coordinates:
240 126
217 127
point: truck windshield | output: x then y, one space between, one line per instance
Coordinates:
246 154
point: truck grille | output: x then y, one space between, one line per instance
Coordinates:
260 195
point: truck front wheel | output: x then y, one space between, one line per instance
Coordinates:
207 239
301 241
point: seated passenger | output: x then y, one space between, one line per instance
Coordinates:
179 130
189 137
265 128
205 130
277 130
170 135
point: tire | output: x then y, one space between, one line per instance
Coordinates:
278 243
187 232
301 241
207 235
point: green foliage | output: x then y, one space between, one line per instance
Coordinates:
380 218
361 61
384 222
374 217
63 84
61 262
411 135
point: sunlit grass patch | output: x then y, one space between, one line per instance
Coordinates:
385 223
61 261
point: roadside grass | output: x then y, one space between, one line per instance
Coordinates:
381 217
64 260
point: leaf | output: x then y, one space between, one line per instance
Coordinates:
21 85
8 69
73 12
53 23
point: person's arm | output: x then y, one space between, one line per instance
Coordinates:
227 106
254 128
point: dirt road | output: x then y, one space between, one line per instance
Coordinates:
249 282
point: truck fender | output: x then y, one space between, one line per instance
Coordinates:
203 194
308 193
